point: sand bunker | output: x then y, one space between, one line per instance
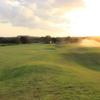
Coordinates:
89 43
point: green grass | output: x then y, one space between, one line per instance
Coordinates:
49 72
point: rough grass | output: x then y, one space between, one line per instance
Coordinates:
49 72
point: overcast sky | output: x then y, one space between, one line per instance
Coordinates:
38 17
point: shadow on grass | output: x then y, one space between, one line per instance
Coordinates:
88 60
24 71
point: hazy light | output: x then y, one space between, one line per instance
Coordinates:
86 21
81 21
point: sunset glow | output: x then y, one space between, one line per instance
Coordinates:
86 21
50 17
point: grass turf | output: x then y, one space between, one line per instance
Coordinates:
49 72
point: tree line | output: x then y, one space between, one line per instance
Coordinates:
29 39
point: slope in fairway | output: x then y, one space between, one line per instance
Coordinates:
49 72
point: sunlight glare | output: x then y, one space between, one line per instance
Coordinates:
85 21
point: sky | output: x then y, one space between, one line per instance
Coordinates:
50 17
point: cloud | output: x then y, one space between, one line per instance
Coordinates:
42 14
68 2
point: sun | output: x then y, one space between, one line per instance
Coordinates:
85 21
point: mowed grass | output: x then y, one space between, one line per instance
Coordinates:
49 72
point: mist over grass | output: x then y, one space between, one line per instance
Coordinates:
90 42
